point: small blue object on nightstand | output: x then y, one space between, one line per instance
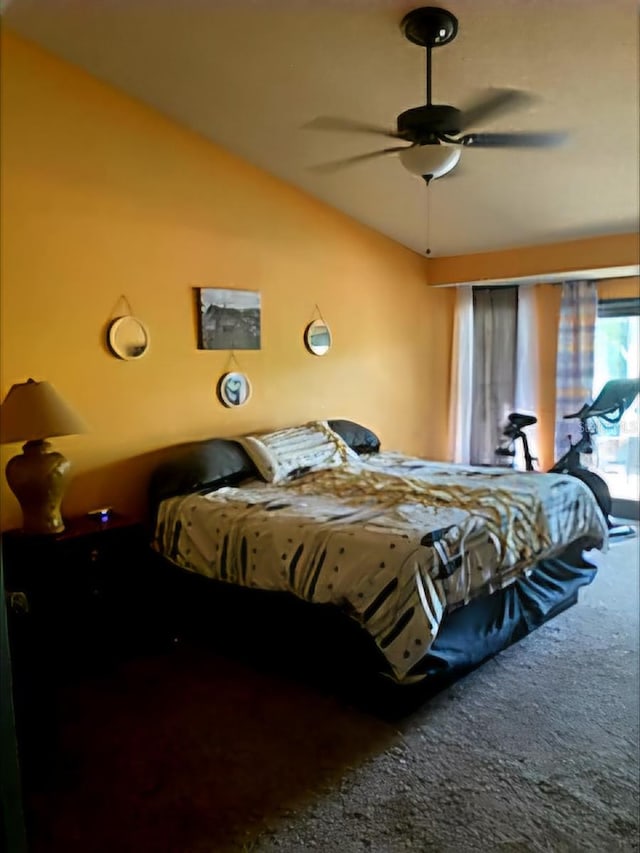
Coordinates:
103 514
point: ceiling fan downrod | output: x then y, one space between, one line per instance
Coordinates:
429 27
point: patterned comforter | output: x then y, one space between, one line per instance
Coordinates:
395 541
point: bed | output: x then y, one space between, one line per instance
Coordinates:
432 567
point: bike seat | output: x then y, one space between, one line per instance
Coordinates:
520 420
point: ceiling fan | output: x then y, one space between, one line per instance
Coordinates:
438 132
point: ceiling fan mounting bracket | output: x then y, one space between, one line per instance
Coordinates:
429 26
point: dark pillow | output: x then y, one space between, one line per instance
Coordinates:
358 437
199 465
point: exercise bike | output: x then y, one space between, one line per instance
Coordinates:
609 406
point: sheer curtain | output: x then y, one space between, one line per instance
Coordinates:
527 366
462 376
574 364
494 368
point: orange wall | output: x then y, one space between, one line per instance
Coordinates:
102 197
548 310
594 253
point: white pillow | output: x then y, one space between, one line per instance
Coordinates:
314 446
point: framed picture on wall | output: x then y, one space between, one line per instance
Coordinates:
228 319
234 389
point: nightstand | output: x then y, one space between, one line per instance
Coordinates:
78 603
75 587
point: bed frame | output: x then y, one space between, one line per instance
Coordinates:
337 651
334 651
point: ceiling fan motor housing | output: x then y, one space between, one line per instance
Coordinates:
425 124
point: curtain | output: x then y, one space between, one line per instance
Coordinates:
574 364
494 368
527 367
462 376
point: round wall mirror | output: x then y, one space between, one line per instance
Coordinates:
317 337
128 338
234 389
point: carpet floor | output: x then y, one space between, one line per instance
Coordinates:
190 752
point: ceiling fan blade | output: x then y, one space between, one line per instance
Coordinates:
346 124
335 165
513 140
493 103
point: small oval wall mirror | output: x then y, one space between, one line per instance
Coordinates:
128 338
234 389
317 337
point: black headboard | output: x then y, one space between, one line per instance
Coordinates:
358 437
199 465
214 462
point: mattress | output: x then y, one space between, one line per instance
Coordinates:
394 541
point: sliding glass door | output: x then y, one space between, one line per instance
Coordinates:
617 446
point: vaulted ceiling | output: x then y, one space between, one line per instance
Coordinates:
249 74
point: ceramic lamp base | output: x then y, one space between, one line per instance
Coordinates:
38 478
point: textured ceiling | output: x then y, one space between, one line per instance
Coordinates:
249 74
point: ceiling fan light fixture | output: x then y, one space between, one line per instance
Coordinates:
433 160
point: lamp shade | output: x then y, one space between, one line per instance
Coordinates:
34 410
432 160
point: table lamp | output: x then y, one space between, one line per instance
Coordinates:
32 412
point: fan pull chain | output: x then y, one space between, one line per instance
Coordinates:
427 180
